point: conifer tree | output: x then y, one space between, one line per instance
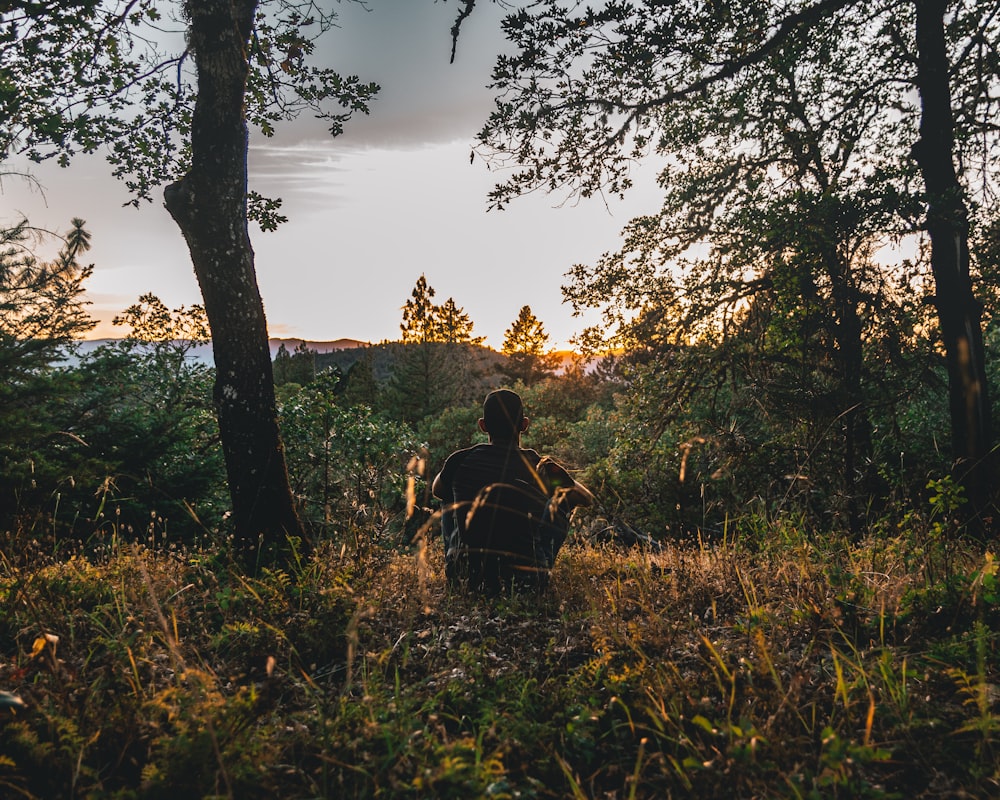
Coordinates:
420 315
303 366
282 365
360 384
41 305
524 344
433 369
454 325
41 311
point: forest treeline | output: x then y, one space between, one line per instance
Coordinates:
825 246
726 431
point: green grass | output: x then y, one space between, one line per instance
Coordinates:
799 669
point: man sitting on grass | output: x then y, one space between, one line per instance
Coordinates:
506 509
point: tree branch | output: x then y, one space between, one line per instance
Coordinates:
463 13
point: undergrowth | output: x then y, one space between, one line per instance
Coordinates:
779 667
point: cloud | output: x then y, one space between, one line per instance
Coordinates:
405 47
304 175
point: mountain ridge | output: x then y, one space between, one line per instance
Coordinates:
203 352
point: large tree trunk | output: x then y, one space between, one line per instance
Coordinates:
209 206
959 312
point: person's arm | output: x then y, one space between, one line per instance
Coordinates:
441 485
437 487
582 496
561 483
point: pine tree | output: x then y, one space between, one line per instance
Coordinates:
433 368
360 385
524 344
282 365
42 311
303 365
454 325
420 315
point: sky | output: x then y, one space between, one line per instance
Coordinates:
369 211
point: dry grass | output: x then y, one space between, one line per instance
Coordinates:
800 669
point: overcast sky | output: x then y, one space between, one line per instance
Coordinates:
394 197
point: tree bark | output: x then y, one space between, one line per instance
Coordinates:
209 205
959 312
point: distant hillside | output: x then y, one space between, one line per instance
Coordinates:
319 347
345 352
383 356
203 353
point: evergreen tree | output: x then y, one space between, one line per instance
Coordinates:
41 311
143 407
427 377
303 364
282 365
420 315
360 388
524 344
423 321
454 325
433 368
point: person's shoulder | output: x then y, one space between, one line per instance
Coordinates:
464 451
533 456
456 458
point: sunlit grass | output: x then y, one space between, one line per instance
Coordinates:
774 667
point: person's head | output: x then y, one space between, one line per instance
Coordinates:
503 416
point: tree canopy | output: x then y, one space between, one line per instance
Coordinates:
854 105
120 78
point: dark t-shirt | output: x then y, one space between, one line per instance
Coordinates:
496 512
497 517
468 471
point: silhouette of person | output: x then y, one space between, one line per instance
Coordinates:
506 508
